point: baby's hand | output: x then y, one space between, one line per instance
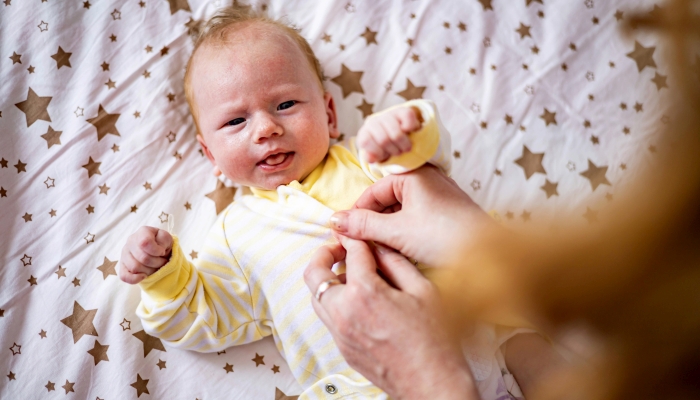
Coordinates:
145 252
385 135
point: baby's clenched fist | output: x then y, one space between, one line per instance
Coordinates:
144 253
386 134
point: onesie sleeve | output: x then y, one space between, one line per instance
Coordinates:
430 144
205 308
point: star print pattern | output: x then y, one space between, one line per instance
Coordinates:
64 91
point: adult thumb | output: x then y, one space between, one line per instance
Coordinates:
361 224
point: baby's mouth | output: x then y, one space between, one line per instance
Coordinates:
275 159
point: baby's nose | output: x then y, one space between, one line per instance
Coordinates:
266 128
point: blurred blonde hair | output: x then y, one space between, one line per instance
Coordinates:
633 281
225 22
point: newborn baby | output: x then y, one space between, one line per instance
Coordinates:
264 120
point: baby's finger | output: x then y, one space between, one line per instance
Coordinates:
141 263
398 138
371 147
130 278
410 119
164 240
383 138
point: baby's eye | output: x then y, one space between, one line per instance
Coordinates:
236 121
286 105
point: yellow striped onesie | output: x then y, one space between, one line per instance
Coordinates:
248 280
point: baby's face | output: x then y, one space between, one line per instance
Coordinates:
263 117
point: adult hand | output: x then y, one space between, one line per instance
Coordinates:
423 214
394 336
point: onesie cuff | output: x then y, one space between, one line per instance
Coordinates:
170 279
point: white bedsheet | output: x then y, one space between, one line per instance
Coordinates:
548 113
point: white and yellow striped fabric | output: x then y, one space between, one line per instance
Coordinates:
248 280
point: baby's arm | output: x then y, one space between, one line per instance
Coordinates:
208 308
403 138
531 359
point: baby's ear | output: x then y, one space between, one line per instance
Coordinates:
332 116
202 143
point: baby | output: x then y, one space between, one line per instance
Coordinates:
264 120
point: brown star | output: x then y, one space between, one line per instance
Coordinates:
80 322
105 66
92 167
531 162
105 123
142 4
125 324
370 37
462 26
279 395
50 386
26 260
171 97
148 49
68 387
17 349
415 57
326 38
11 375
192 26
366 108
194 254
149 342
104 189
176 5
565 67
146 74
27 217
61 272
549 117
528 2
42 334
31 280
160 364
16 58
523 30
31 69
590 215
112 38
115 148
108 268
35 107
222 196
595 139
20 166
643 56
111 84
448 50
147 186
596 175
90 209
525 216
141 385
411 92
164 51
137 114
228 367
550 188
660 81
86 4
52 213
572 46
99 352
258 359
62 58
3 192
638 107
619 15
134 208
188 206
486 4
349 81
275 369
52 137
3 163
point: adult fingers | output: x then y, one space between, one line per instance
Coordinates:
382 194
319 268
401 272
360 266
368 225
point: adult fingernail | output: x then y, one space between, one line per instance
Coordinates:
339 221
382 249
